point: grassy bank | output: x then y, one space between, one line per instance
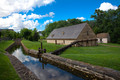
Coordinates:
99 55
7 72
35 45
111 44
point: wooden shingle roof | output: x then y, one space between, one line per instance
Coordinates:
70 32
103 35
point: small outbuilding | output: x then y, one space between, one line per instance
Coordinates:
40 33
66 35
6 29
103 38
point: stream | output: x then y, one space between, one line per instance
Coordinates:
41 70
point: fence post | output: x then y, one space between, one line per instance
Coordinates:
41 45
39 51
44 50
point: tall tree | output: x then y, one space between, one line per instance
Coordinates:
108 21
35 35
26 33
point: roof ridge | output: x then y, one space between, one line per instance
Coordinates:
72 25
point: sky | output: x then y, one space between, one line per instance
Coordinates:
19 14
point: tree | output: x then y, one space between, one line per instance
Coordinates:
35 35
25 33
28 34
108 21
8 33
0 34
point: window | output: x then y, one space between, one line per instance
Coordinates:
63 32
100 40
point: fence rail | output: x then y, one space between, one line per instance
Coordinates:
57 52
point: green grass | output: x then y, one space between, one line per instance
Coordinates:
4 45
7 72
111 44
35 45
99 55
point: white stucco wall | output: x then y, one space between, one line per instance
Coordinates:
104 40
64 42
68 42
50 41
59 41
98 40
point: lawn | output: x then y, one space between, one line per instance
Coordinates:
111 44
50 47
99 55
7 72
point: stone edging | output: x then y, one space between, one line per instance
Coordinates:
31 52
12 45
23 72
17 42
82 69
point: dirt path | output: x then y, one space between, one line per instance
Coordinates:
109 45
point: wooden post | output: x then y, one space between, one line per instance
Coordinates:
86 42
39 51
82 42
40 59
91 42
55 41
41 45
95 41
44 50
42 65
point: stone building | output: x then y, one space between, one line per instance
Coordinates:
103 37
66 35
6 29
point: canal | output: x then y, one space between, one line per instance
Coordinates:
42 71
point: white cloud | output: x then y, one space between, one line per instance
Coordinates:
19 54
11 19
81 18
7 7
105 6
18 21
48 21
51 14
35 16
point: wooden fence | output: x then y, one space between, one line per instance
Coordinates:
59 51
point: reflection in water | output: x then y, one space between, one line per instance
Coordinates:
43 71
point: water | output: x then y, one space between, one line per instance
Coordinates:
42 71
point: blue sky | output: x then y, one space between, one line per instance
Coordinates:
37 13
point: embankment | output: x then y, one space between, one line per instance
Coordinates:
81 69
23 72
